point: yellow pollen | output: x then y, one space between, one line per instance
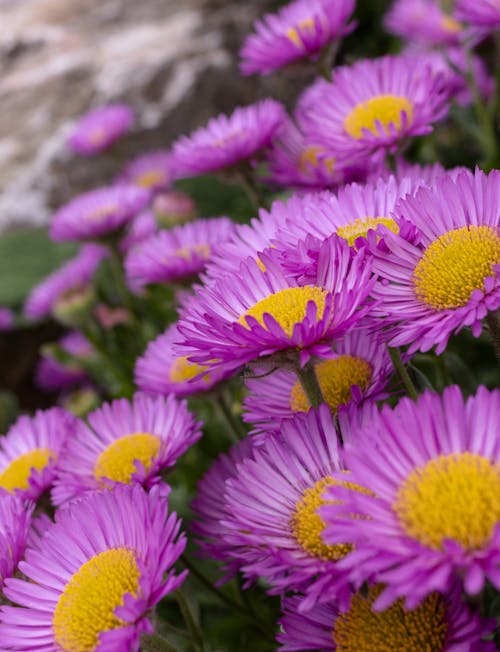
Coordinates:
100 213
455 265
359 228
150 178
310 157
360 629
117 461
183 370
17 474
87 604
307 24
336 378
287 306
96 136
384 109
188 253
451 25
451 497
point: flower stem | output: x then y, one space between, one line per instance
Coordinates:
156 643
493 321
310 385
189 619
397 362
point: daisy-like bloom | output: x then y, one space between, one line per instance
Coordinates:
97 572
177 254
479 13
6 319
53 375
69 286
15 519
29 452
100 128
301 29
210 510
247 317
152 171
442 623
450 279
359 370
423 22
434 514
163 370
125 442
271 506
98 212
376 105
228 140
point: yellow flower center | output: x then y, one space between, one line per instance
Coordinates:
361 629
183 370
17 474
384 109
307 525
101 212
150 178
310 157
87 604
451 497
455 265
360 227
287 306
188 253
307 24
117 461
451 25
336 378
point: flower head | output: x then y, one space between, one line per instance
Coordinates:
15 519
423 22
100 128
125 442
30 452
98 212
434 514
52 375
228 140
449 279
479 13
152 171
300 29
95 575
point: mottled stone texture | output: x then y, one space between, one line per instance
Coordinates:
173 60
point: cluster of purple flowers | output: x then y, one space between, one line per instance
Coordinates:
375 517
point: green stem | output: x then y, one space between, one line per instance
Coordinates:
247 181
310 385
493 321
236 429
156 643
189 619
327 60
397 362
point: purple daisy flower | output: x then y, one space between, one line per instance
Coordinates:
6 319
434 513
479 13
98 212
15 519
258 313
423 22
100 128
95 576
228 140
178 254
450 278
376 105
125 442
52 375
442 623
152 171
271 506
210 510
162 370
29 452
300 29
359 370
70 284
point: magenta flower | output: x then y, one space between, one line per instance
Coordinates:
66 284
177 254
152 171
125 442
434 513
30 452
100 128
376 106
96 575
52 375
98 212
449 278
228 140
423 22
247 317
15 519
6 319
479 13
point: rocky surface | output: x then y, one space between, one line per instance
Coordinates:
175 62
